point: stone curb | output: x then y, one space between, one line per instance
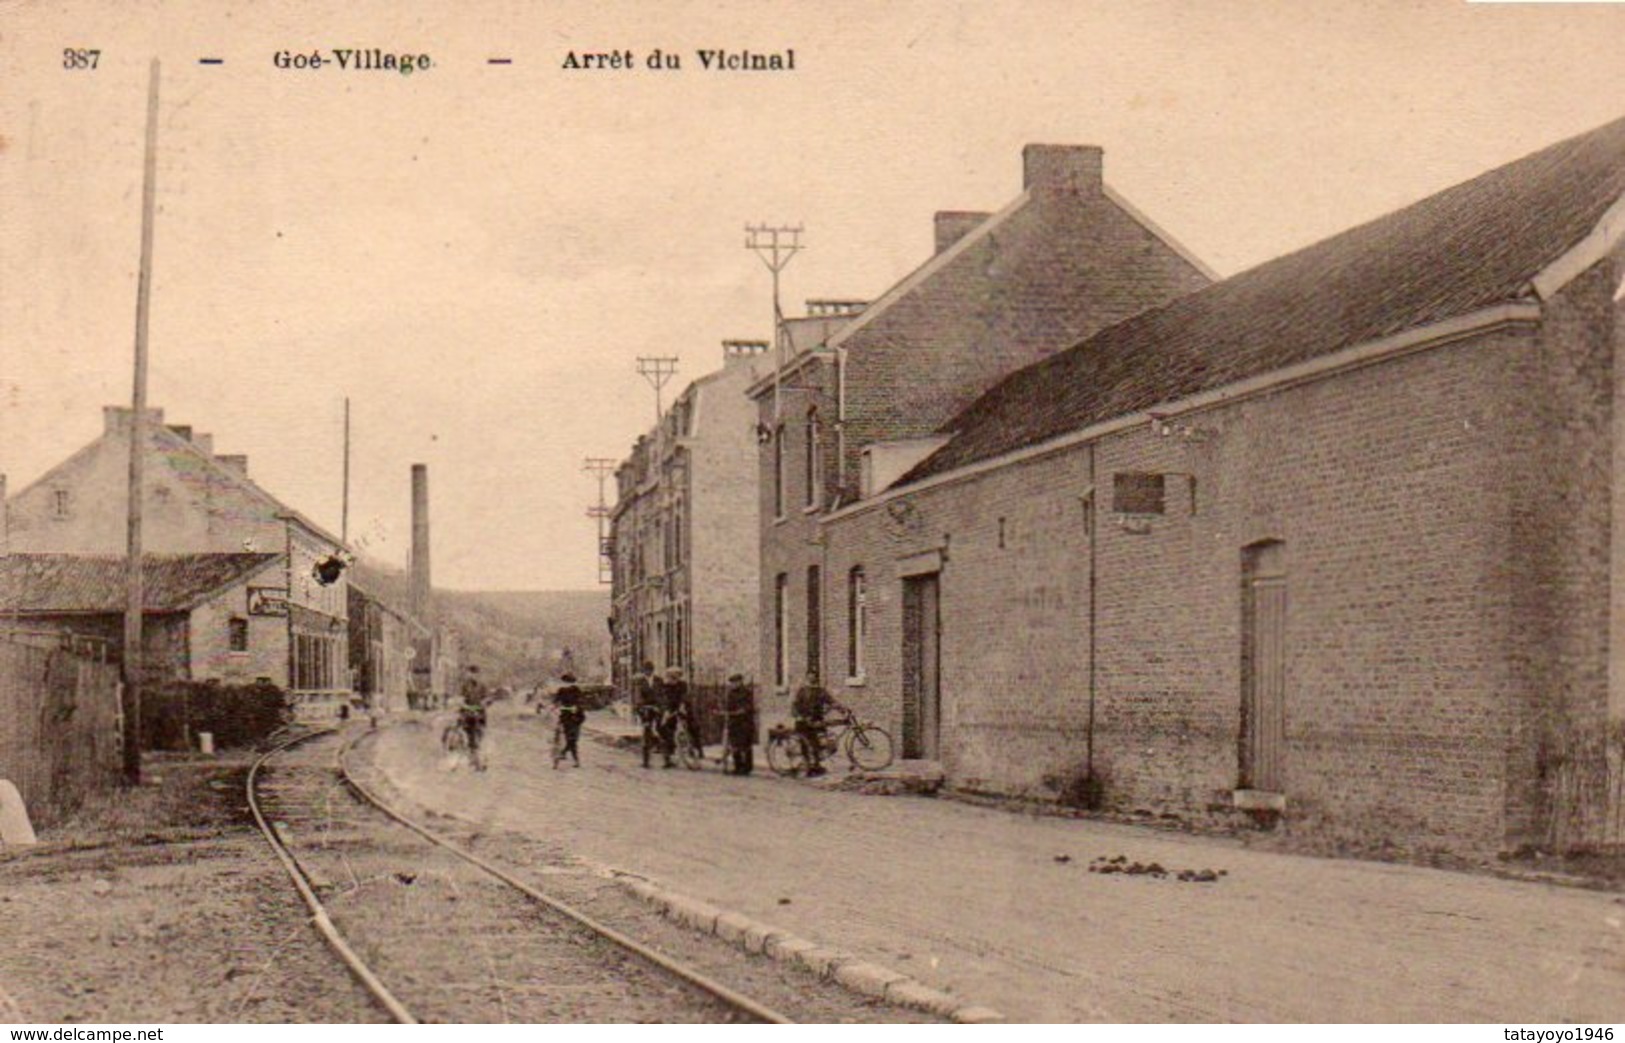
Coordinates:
860 976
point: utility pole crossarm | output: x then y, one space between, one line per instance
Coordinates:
657 370
601 467
775 245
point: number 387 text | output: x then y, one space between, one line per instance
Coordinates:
79 58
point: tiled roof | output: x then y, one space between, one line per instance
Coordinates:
1464 249
95 583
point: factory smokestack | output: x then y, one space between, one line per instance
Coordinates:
420 541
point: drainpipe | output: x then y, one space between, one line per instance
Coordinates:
840 419
1094 529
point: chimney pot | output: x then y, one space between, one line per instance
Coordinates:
954 225
237 463
117 418
1063 168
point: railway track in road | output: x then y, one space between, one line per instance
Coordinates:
434 932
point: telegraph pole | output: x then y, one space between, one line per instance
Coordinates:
138 440
344 516
601 467
657 370
775 246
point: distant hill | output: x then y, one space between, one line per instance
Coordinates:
516 637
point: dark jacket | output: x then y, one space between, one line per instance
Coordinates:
811 703
568 700
739 706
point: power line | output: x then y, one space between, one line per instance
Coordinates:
601 467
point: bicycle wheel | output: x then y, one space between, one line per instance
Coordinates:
452 740
558 744
689 755
869 748
785 755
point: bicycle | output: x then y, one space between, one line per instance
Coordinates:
688 751
456 741
867 746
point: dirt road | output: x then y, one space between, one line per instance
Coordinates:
1003 909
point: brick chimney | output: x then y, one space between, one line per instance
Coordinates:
184 430
204 442
420 582
1063 168
234 462
954 225
736 352
116 419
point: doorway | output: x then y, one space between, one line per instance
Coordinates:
922 659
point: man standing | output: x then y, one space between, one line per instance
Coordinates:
674 714
647 699
471 716
809 708
567 700
739 713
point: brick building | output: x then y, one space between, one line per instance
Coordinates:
196 502
855 409
1336 542
198 613
682 593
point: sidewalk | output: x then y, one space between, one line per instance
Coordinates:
1004 910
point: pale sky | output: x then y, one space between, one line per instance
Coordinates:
477 254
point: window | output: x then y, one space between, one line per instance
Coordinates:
1135 492
814 621
781 629
857 620
237 634
60 502
778 472
814 479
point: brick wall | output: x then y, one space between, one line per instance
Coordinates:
1445 524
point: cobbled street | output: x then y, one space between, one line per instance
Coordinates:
1002 908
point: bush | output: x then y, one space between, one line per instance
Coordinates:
236 714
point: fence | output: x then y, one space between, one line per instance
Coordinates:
59 727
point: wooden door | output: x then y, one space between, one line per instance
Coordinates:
922 657
1263 667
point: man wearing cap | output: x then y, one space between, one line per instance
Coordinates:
567 700
674 712
647 698
739 713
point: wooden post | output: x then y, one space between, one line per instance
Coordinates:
138 432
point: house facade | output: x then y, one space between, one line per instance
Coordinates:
198 618
198 502
1334 544
852 412
682 593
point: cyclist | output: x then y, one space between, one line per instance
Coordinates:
567 701
809 708
471 716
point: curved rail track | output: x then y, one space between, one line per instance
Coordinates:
545 959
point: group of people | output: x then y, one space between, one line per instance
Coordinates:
663 709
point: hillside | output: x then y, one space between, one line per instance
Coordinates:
516 637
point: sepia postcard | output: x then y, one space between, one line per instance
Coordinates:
919 512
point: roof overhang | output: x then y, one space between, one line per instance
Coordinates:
1406 342
1602 240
